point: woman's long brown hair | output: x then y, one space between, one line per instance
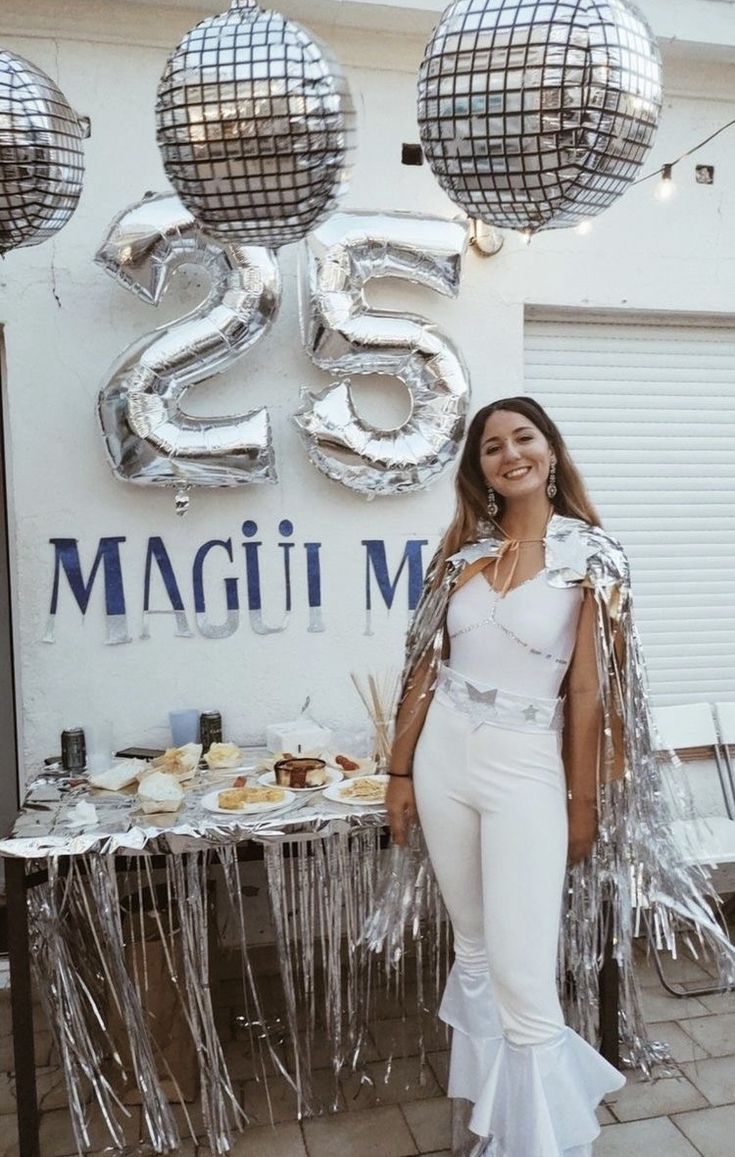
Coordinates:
571 497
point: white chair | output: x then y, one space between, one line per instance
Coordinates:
709 839
724 714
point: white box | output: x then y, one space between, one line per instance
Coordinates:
301 733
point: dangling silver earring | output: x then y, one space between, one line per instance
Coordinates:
551 484
492 502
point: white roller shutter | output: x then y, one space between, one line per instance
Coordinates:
648 409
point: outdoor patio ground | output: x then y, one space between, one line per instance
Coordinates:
691 1112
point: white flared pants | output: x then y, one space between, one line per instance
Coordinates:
492 806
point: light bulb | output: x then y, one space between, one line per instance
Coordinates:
666 186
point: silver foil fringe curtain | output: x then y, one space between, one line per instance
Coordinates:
103 942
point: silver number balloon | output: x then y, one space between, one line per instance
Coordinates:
342 335
149 440
41 155
538 115
255 126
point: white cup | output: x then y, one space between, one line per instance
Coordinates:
99 743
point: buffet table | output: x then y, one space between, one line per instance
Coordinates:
83 892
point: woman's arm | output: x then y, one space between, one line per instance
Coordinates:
411 715
400 800
581 736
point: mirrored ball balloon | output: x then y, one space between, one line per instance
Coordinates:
41 155
537 114
255 126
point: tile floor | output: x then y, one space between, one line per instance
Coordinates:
689 1113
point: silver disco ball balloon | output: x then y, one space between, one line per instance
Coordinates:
537 114
41 155
255 126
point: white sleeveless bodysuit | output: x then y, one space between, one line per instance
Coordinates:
520 642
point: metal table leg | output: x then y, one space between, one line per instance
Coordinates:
609 1001
22 1008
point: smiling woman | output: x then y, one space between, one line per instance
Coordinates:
503 772
523 733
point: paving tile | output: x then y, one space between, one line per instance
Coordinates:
709 1130
8 1137
640 1098
430 1123
268 1141
716 1034
380 1132
43 1048
682 1047
321 1050
57 1136
278 1102
719 1001
439 1062
682 969
393 1002
640 1138
400 1036
658 1005
604 1115
714 1077
243 1064
405 1083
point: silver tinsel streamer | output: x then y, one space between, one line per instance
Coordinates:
78 962
636 877
105 940
41 155
537 114
343 336
148 437
255 126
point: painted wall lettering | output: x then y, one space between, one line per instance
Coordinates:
389 569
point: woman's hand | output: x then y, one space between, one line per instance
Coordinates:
401 805
582 830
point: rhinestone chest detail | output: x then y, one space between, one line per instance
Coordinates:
492 620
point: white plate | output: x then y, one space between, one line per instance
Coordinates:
333 776
226 772
365 766
210 802
335 791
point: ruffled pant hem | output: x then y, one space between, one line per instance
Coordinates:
531 1100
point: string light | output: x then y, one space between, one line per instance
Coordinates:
665 172
666 188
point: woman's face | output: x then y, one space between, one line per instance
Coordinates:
515 457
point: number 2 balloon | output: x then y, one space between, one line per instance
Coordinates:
41 157
537 114
255 126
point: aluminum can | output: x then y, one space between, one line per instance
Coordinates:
73 749
210 729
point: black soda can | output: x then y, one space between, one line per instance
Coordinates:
73 749
210 729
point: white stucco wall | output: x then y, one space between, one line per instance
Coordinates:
64 322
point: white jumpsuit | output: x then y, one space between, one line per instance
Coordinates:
491 797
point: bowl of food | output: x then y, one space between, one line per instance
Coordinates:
300 771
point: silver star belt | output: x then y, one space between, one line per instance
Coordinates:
486 704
